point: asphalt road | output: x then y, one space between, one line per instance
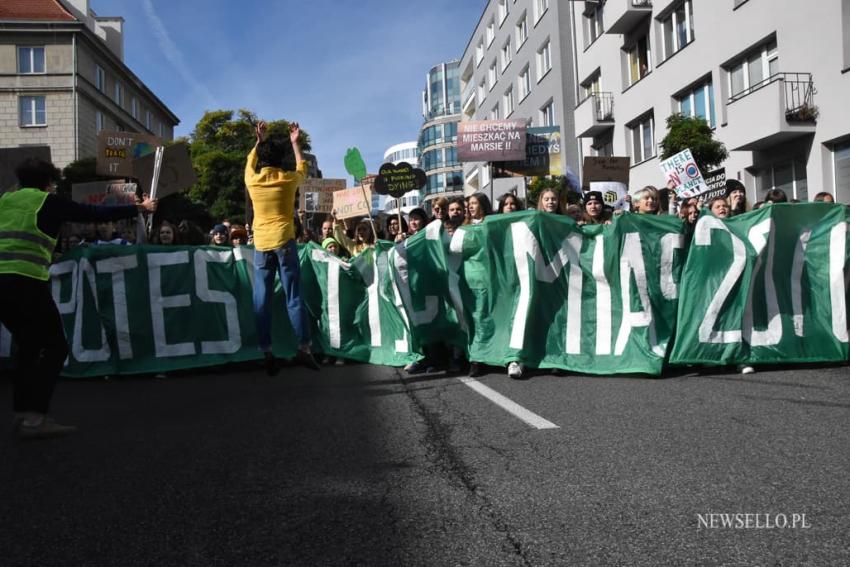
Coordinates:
359 465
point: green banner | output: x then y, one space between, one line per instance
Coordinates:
766 287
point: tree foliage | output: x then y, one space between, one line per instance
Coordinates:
219 145
685 132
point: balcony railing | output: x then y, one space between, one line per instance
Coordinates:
642 3
799 92
603 106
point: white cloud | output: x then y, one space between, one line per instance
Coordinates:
175 56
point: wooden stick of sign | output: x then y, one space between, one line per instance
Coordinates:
369 208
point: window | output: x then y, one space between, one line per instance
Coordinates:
482 92
841 167
491 32
787 175
118 94
547 114
593 25
754 68
503 11
544 60
30 60
100 78
492 76
639 60
678 28
32 111
134 108
508 99
98 121
591 85
643 139
540 7
479 52
494 113
161 130
698 102
521 30
148 120
506 54
524 82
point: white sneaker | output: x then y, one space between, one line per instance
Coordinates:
746 369
515 370
46 429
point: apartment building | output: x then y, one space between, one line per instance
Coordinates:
769 76
438 134
63 79
518 64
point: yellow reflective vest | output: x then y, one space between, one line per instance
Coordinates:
24 249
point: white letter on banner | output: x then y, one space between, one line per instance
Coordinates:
403 344
669 244
56 272
761 236
838 300
702 237
116 266
402 281
455 260
603 299
797 281
159 303
525 245
233 342
631 262
86 272
334 321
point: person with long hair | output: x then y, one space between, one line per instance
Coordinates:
549 201
394 231
824 197
478 206
166 234
509 203
417 219
595 211
363 236
737 195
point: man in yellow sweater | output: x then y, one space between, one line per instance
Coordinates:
272 193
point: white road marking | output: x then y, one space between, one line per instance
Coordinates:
509 405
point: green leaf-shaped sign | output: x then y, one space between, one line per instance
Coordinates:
354 164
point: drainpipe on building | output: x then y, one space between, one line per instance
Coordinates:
576 85
74 97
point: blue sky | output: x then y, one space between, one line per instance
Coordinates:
351 73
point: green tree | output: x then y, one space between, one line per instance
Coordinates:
219 145
685 132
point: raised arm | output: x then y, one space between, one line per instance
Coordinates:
294 132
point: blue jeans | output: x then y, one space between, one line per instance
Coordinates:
266 265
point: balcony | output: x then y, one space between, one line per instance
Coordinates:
622 15
594 115
468 98
771 112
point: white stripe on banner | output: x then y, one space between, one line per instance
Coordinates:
509 405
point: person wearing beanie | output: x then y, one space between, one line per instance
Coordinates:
736 193
331 245
594 209
220 235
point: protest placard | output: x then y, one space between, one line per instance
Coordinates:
175 175
349 203
716 181
317 195
542 155
491 140
682 174
104 193
605 168
397 179
117 150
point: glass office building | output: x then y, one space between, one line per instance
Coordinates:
438 135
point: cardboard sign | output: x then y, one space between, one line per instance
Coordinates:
613 192
397 179
317 195
117 150
716 181
542 155
11 158
104 193
682 175
176 174
602 168
491 140
349 203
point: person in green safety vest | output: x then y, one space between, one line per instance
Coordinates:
30 219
